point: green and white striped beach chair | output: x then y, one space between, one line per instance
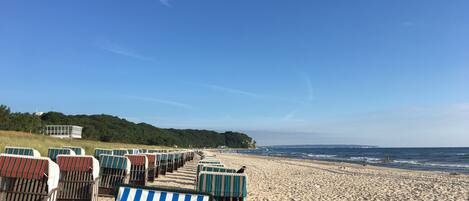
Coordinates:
78 150
52 153
120 152
99 151
138 169
28 178
223 186
142 193
25 151
79 178
199 167
114 170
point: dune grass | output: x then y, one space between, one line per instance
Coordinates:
42 143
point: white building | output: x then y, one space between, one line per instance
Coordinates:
63 131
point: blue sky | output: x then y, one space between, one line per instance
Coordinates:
389 73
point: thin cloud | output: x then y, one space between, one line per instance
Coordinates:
233 91
161 101
120 50
309 86
166 3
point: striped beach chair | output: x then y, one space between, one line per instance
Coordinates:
152 166
114 170
120 152
52 153
223 186
99 151
170 162
218 169
133 151
25 178
141 193
163 159
79 178
25 151
78 150
138 169
199 167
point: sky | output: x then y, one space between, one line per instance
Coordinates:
376 72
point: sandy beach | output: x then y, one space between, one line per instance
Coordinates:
281 179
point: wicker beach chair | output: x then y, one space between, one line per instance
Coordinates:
79 178
152 166
52 153
143 193
24 151
138 169
78 150
114 170
27 178
99 151
223 186
120 152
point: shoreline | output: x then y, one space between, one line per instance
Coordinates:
279 178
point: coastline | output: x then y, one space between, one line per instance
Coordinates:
278 178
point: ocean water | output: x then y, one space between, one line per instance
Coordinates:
431 159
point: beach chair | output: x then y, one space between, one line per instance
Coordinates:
99 151
25 151
144 193
27 178
114 170
154 151
79 178
170 162
200 165
78 150
163 165
138 169
133 151
120 152
152 166
52 153
223 186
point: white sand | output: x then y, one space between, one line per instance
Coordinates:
281 179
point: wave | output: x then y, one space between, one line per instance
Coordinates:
321 155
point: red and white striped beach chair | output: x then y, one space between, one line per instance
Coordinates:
26 178
79 178
138 169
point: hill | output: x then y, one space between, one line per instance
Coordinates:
107 128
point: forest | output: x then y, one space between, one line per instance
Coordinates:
107 128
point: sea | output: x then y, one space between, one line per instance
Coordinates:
451 160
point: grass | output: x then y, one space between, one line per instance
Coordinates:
42 143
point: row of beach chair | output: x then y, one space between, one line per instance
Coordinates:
68 174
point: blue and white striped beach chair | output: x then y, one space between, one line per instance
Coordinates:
140 193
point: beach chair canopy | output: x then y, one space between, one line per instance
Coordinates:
78 150
25 151
133 151
138 159
221 184
217 169
99 151
114 162
151 158
78 163
54 152
29 167
120 152
140 193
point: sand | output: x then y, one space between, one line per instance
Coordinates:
272 178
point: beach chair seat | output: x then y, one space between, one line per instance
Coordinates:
114 170
138 169
25 151
120 152
223 186
99 151
78 150
79 178
142 193
52 153
25 178
152 166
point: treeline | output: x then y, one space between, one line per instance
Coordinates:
109 128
